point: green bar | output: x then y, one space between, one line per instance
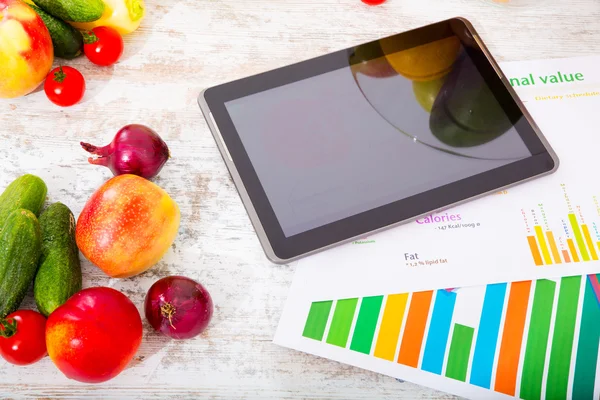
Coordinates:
587 349
537 340
317 320
362 339
562 341
342 321
460 351
579 237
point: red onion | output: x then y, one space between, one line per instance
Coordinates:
135 149
178 307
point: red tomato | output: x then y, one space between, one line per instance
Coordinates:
103 45
64 86
94 335
22 337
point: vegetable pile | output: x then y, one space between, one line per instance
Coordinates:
126 227
40 30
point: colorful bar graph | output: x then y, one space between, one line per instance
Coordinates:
391 324
589 242
531 362
562 341
578 237
410 349
460 351
537 340
487 337
587 349
566 256
535 251
366 323
573 250
542 241
553 248
341 322
512 337
317 320
439 330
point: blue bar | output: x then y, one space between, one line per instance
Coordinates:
439 330
487 337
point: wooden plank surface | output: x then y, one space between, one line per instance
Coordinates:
182 47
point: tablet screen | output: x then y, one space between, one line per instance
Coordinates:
356 138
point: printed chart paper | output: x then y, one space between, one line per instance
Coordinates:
380 303
530 339
546 228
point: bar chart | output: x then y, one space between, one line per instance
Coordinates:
571 242
531 339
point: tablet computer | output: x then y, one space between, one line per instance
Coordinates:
343 145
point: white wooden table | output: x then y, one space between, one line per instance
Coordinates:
182 47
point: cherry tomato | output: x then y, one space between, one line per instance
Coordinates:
23 337
103 45
373 2
64 86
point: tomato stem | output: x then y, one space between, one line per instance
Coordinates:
167 310
89 37
9 327
59 76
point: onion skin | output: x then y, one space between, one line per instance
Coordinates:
135 149
178 307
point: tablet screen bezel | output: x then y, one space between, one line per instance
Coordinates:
282 248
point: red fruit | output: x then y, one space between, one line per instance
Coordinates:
64 86
22 337
94 335
103 45
26 51
373 2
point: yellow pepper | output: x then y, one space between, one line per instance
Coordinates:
123 15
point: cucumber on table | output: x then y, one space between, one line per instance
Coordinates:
59 273
27 192
73 10
20 250
66 40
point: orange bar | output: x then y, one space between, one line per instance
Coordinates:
535 251
566 255
573 250
553 247
418 313
510 348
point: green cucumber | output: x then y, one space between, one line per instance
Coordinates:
66 40
73 10
27 192
20 251
59 274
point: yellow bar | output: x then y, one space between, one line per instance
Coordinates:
540 237
588 240
389 331
553 247
573 250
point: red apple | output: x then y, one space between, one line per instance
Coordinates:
94 335
26 52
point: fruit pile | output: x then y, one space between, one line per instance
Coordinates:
126 227
34 32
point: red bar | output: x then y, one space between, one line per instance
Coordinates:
510 348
